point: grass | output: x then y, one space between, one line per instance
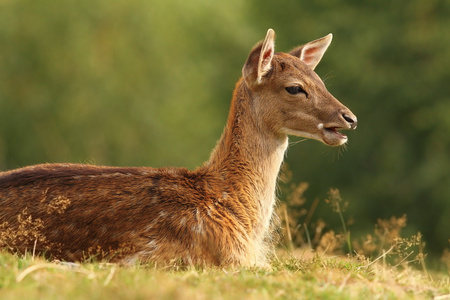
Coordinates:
297 275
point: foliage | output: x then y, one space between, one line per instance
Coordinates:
149 82
387 241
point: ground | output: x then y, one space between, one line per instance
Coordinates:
302 275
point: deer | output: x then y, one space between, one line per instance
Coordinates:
219 214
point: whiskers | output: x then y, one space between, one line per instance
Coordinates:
336 152
328 76
341 150
301 140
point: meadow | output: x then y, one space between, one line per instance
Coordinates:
298 275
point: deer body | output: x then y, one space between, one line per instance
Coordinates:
218 214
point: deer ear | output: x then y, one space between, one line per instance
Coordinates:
312 53
260 59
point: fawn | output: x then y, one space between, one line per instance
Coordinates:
219 214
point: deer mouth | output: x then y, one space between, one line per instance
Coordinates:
330 136
333 137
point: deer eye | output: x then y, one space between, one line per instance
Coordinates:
293 90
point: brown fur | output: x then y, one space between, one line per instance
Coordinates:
218 214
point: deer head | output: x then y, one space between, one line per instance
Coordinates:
290 98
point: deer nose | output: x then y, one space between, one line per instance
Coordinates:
351 120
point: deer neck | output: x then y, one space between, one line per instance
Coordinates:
249 157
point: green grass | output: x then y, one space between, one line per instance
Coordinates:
300 276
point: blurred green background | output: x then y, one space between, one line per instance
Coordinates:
136 82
